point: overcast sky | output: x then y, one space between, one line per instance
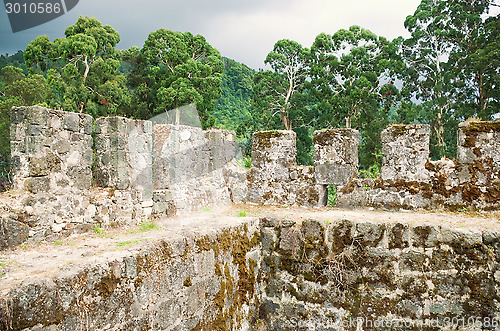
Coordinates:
242 30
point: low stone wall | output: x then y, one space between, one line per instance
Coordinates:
204 282
409 180
346 275
275 178
275 274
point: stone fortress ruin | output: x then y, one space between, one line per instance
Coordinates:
72 174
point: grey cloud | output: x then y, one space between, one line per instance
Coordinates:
243 30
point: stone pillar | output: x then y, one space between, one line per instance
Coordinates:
52 169
405 151
124 161
335 156
181 154
51 149
479 147
273 155
274 152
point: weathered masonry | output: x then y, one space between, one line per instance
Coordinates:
410 180
71 174
274 274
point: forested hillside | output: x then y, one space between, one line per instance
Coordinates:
234 105
444 73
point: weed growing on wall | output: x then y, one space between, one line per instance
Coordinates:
332 196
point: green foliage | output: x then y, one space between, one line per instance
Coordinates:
451 63
98 230
174 69
373 171
242 213
332 196
277 92
352 76
147 225
14 60
82 69
233 107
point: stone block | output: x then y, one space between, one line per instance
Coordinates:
44 165
372 233
62 146
34 144
425 236
17 115
336 156
13 232
71 122
37 184
36 115
34 130
273 149
405 151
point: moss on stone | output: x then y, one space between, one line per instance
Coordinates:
187 282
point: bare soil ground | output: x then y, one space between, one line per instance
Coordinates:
75 251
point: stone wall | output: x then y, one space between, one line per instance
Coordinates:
190 164
51 165
71 175
405 151
124 163
206 281
275 178
410 180
335 156
354 276
276 275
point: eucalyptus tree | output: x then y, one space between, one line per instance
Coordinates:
174 69
475 40
352 81
352 75
449 64
82 68
278 92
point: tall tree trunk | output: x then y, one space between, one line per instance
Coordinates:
285 120
438 129
482 98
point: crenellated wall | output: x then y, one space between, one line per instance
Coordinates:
51 162
72 175
410 180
